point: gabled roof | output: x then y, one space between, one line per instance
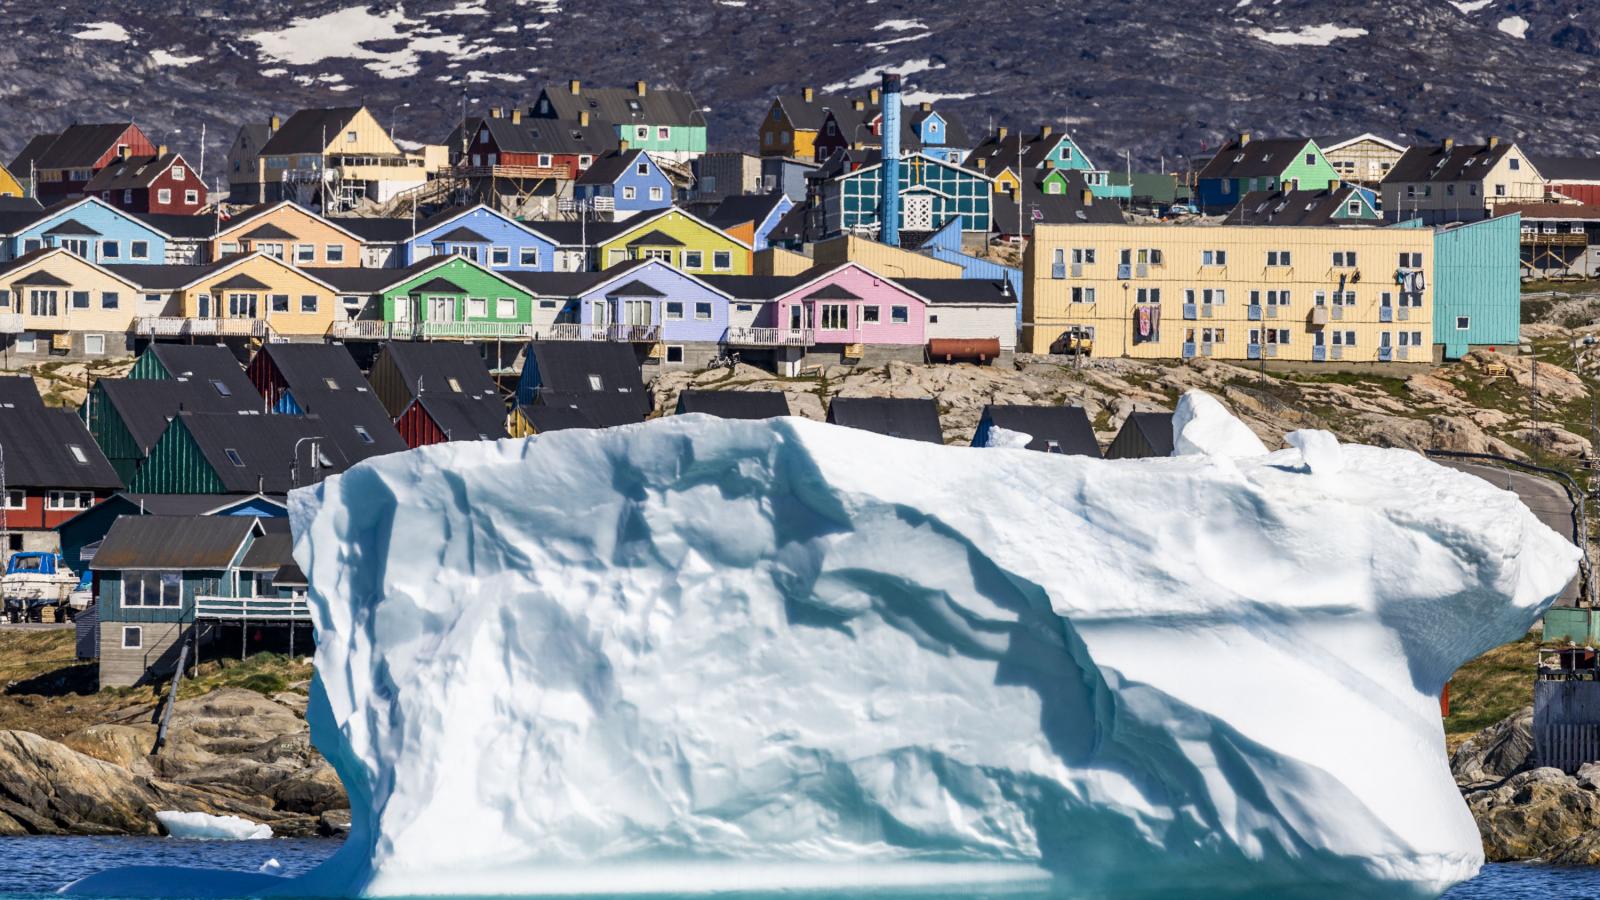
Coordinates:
465 417
1568 168
751 287
28 158
207 364
462 235
145 406
737 209
240 220
242 282
572 284
229 262
20 392
655 238
955 134
440 285
325 382
440 367
447 216
640 221
608 168
1257 158
1461 162
163 277
81 146
309 131
207 543
1042 208
1000 153
265 447
553 136
1561 212
358 279
1055 429
267 232
579 369
1331 144
41 278
832 291
271 552
1294 207
72 228
374 229
52 448
902 417
572 234
626 106
1154 428
809 116
133 173
556 411
200 227
9 204
616 274
45 278
734 404
636 288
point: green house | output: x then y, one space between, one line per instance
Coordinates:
666 122
1477 285
454 297
1245 165
227 453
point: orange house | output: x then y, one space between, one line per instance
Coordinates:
288 232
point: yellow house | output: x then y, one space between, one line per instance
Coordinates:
792 123
257 296
288 232
1365 158
887 261
52 300
1315 294
346 143
680 239
9 186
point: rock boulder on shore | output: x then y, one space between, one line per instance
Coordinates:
1495 753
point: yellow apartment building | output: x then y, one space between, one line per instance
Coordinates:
1312 294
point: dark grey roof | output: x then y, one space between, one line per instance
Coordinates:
242 282
955 133
1303 208
752 287
440 367
41 278
568 284
655 237
73 228
51 448
961 290
999 153
1257 158
565 368
1565 168
81 146
903 417
357 279
145 406
266 447
635 288
206 363
625 106
201 227
132 173
189 504
269 552
810 116
555 411
1066 427
440 285
375 229
462 235
207 543
832 291
9 204
25 259
269 231
160 277
1154 430
465 417
531 135
738 209
309 130
1462 162
734 404
19 392
325 382
1065 208
608 168
27 159
572 234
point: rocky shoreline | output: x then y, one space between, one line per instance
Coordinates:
1527 812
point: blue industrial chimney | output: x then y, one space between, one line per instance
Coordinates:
889 195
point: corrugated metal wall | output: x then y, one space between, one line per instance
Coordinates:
176 466
1477 275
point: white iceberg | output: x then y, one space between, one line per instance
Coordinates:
199 826
699 654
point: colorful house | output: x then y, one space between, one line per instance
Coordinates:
666 122
226 453
307 379
86 530
849 314
1333 205
164 184
1245 165
238 296
1363 159
9 185
54 470
652 303
437 416
483 236
294 162
1477 285
53 302
939 135
289 232
625 182
89 228
794 122
454 297
598 379
404 369
931 192
64 163
678 238
1004 155
750 217
511 145
1450 182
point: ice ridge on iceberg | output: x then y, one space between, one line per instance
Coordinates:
702 654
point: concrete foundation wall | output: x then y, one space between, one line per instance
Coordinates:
153 660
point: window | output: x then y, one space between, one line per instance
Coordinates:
547 304
1083 295
528 256
642 133
595 384
349 137
152 589
280 303
722 259
1353 208
663 255
834 316
229 249
1277 257
110 250
94 344
1311 159
629 192
71 499
693 259
15 499
499 256
80 299
139 249
132 637
702 310
5 299
78 456
871 314
109 300
178 173
1213 257
674 353
308 303
1083 255
305 253
234 457
1054 187
585 160
191 197
655 193
483 136
1344 338
1411 260
1514 163
1151 256
164 195
222 389
154 298
663 133
363 434
899 315
333 254
1149 295
1499 190
642 169
505 308
1463 323
544 161
1344 259
477 307
674 310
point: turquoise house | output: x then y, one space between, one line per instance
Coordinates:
1477 285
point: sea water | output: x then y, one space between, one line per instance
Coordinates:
34 867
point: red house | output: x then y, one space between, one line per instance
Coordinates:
164 183
63 169
53 469
438 416
511 145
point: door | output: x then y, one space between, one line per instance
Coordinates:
797 316
918 212
600 312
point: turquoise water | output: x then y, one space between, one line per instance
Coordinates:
35 867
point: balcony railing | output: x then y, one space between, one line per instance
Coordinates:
279 608
364 329
1559 239
181 326
10 323
511 171
770 337
639 334
490 330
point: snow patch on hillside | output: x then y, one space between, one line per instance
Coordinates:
1516 26
1470 6
346 34
1307 35
102 31
874 74
899 25
172 60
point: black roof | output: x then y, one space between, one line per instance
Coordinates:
73 228
145 406
832 291
200 227
1042 208
374 228
555 411
19 392
569 284
26 160
188 504
752 287
41 278
1461 162
356 279
915 419
625 106
573 369
462 235
608 168
1155 428
1068 427
440 367
737 209
173 542
1255 158
1000 153
635 288
267 231
655 237
734 404
465 417
52 448
242 282
325 382
961 290
270 552
10 204
809 116
309 130
531 135
81 146
572 234
265 447
1302 208
206 363
131 173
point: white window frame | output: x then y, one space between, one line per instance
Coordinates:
132 637
528 256
333 253
94 344
505 308
305 253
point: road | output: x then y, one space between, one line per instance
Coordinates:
1546 498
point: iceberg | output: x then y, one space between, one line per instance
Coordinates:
198 826
697 654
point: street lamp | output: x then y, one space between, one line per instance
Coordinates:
394 111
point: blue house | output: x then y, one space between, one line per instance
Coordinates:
486 237
939 136
630 178
90 228
1477 285
653 302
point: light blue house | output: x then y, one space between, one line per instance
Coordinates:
629 178
945 245
940 136
486 237
652 302
1477 285
89 228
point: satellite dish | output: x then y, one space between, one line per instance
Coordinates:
1415 282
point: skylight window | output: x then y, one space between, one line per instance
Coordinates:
222 389
455 385
234 457
78 454
363 434
332 385
596 384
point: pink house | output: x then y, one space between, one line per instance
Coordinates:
851 305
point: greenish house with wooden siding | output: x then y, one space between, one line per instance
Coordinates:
127 416
1245 165
224 453
456 297
1477 285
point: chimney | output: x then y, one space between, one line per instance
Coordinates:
1003 132
1046 130
575 87
516 116
622 146
1333 184
1449 144
1049 164
1493 142
807 94
860 145
583 117
161 149
497 112
275 123
926 106
872 97
639 88
983 163
1244 138
859 105
889 199
1088 197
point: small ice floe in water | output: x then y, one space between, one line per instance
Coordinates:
198 826
271 866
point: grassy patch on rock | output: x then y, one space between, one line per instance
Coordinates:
1489 688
